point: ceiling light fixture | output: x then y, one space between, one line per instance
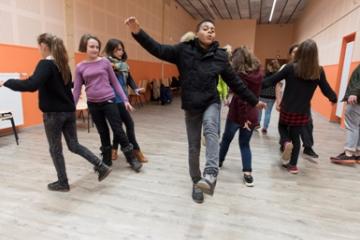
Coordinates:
272 10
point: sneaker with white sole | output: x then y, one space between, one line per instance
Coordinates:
207 184
248 180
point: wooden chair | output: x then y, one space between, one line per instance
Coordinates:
82 108
7 115
138 99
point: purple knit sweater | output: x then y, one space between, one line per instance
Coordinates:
98 77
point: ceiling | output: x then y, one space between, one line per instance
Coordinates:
286 11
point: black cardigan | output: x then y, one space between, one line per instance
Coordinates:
54 95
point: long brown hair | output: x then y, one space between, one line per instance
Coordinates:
244 61
58 51
306 61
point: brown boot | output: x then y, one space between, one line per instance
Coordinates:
114 154
140 156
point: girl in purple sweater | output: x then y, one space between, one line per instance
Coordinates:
100 82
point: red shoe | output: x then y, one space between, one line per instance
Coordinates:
293 169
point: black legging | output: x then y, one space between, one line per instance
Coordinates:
291 133
130 127
101 112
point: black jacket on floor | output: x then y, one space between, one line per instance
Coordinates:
199 71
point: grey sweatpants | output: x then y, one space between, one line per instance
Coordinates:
352 125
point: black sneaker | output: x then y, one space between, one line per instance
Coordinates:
309 152
197 194
343 159
58 186
248 180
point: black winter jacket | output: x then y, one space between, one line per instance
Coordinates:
199 71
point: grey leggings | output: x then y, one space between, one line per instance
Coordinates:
64 122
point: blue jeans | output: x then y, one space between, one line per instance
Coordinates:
270 103
244 143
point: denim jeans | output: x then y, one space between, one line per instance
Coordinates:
269 105
209 121
352 125
244 143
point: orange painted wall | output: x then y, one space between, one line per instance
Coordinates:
273 41
320 103
23 60
236 33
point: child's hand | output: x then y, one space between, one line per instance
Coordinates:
139 90
247 125
133 24
128 107
260 105
278 108
352 99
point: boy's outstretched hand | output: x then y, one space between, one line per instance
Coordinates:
133 24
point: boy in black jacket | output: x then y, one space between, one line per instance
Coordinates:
199 62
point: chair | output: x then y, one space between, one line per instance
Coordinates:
82 107
7 115
138 99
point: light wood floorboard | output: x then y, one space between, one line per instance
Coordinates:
322 202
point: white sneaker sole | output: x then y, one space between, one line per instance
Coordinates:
248 184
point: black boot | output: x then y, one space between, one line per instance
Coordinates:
103 171
59 186
131 159
106 155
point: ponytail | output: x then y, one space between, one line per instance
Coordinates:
58 51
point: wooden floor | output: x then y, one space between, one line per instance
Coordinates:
321 202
